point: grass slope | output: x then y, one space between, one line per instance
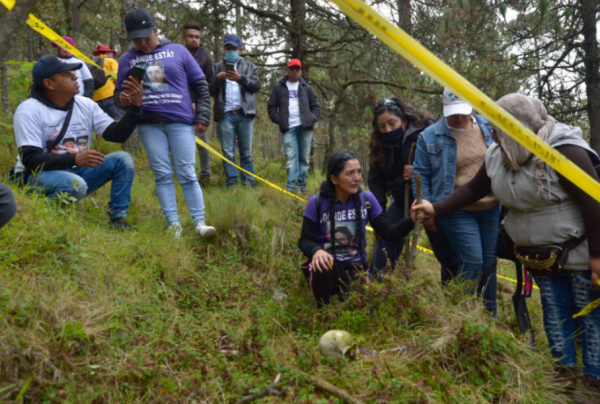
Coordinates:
91 315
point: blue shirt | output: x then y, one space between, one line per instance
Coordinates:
233 94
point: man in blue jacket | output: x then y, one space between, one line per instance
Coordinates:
294 107
236 82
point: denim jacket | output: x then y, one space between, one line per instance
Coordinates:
435 158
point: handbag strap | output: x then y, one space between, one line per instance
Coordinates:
64 128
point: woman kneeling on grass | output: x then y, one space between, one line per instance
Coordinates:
342 209
553 224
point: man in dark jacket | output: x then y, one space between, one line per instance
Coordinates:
191 40
67 167
236 82
294 107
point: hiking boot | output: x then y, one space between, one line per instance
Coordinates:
204 181
119 223
567 376
588 391
175 229
205 231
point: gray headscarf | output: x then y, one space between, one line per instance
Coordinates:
533 115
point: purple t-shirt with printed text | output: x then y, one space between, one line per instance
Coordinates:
345 234
170 70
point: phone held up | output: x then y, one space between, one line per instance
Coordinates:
229 67
137 73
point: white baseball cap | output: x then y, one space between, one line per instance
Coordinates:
454 105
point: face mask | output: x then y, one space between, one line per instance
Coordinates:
393 136
231 56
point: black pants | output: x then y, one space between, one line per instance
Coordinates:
7 205
444 254
391 250
337 281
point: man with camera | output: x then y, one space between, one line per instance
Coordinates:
54 115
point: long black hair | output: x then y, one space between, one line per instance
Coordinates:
393 105
335 166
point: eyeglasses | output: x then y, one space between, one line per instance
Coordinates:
341 239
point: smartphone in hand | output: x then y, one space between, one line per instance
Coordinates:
229 67
137 73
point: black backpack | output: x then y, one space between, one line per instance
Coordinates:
98 75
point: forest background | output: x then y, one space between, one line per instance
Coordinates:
88 315
544 48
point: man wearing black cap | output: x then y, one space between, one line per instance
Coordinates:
55 114
235 108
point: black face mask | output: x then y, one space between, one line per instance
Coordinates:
393 136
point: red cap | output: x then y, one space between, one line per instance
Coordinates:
295 62
103 49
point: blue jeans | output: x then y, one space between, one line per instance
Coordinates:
179 140
474 238
297 142
78 184
563 296
108 105
234 126
391 250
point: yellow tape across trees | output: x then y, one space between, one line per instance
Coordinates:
286 192
43 29
417 54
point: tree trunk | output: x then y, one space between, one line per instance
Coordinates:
218 30
404 14
298 18
68 16
30 56
4 79
126 5
331 134
76 20
238 22
12 22
591 59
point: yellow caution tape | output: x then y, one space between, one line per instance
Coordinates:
286 192
415 53
588 309
43 29
512 280
219 155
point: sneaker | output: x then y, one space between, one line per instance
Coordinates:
205 231
303 190
119 223
175 229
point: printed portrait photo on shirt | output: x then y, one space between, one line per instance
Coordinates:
345 240
155 79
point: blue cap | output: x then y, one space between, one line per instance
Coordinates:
47 65
232 39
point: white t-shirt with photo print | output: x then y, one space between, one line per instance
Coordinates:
294 104
38 125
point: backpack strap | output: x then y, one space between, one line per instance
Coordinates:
318 201
63 130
